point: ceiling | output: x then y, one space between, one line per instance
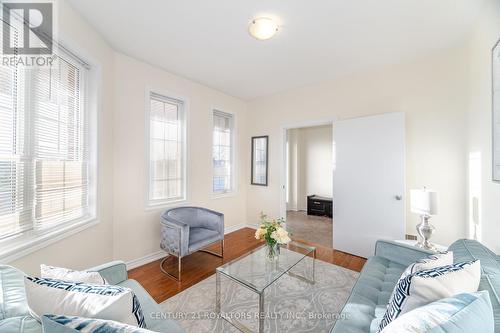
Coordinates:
319 40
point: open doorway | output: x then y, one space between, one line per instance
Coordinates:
308 184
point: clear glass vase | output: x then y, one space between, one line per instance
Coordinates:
273 252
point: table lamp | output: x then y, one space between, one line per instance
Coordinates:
424 203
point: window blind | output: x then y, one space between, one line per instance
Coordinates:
60 150
44 157
14 215
222 152
166 177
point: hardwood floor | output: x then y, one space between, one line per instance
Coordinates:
199 265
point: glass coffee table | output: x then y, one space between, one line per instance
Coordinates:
254 272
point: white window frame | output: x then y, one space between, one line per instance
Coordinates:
18 246
157 204
234 156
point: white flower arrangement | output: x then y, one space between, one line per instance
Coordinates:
272 231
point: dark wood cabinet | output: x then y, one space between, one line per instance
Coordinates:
320 206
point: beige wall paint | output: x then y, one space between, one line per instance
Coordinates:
432 93
446 98
94 245
480 45
310 164
137 229
318 142
127 230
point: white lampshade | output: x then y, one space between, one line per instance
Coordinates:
423 202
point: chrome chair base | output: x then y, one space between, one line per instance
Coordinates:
220 255
179 259
176 278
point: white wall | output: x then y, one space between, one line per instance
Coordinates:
137 229
432 93
480 45
94 245
310 164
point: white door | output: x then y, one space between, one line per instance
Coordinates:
368 182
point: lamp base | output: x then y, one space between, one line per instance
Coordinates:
429 246
425 231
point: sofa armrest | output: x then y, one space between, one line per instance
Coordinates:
113 272
400 253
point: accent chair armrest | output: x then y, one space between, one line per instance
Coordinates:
174 236
113 272
402 254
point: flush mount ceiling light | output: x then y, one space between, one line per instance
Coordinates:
263 28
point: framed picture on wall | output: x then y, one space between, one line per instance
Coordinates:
260 152
496 111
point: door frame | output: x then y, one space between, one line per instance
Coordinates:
283 166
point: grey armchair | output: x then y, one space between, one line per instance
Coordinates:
185 230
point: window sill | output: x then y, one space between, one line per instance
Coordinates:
20 246
224 195
164 205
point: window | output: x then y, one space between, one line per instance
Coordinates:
223 152
44 147
167 150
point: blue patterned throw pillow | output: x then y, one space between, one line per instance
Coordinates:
83 299
71 324
424 287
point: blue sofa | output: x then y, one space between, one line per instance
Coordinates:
369 298
15 315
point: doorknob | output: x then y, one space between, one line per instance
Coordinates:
398 197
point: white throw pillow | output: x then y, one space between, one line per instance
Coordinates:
66 274
432 261
430 285
48 296
71 324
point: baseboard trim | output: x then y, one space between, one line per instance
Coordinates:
297 209
233 228
145 260
161 254
252 226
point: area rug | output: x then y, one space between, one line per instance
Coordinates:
291 304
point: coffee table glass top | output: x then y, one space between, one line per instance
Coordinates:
256 272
